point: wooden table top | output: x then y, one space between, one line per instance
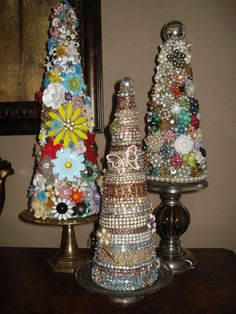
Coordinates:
29 286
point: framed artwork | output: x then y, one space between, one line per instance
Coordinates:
24 26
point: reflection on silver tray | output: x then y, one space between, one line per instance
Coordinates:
84 279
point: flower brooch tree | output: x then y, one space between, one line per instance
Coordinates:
66 159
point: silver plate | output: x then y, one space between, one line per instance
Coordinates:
83 276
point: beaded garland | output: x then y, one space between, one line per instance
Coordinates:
66 159
125 256
173 147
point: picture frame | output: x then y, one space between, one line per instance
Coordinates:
23 117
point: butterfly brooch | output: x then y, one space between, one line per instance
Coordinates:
130 160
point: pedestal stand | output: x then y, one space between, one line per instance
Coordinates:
172 220
69 256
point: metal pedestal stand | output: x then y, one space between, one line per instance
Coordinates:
69 256
172 220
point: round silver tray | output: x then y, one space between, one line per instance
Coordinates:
83 276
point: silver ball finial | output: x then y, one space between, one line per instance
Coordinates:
174 30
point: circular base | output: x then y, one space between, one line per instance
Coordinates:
180 263
83 276
28 216
173 188
62 264
126 300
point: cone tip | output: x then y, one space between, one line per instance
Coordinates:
126 87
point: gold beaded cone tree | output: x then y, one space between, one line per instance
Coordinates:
125 256
66 168
173 147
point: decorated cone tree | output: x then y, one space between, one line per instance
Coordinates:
173 146
66 169
125 256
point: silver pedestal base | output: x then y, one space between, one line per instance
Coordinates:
180 263
172 220
126 300
83 276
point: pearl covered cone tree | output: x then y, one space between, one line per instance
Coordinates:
125 256
66 159
173 147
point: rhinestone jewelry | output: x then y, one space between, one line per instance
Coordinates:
125 257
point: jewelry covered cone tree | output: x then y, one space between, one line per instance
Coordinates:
173 147
66 158
125 256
